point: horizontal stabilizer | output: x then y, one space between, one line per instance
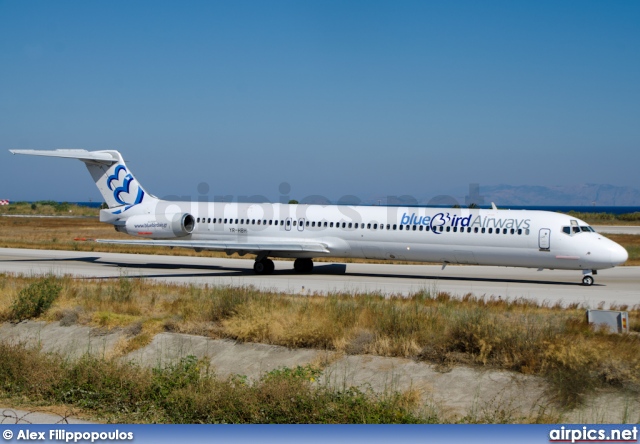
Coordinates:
84 155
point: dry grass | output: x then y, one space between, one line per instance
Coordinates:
48 208
516 335
188 392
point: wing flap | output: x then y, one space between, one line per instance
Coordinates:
309 247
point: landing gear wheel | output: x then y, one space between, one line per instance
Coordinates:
304 266
265 266
587 280
269 266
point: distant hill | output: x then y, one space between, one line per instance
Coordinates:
578 195
584 195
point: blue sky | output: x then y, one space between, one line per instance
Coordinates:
366 98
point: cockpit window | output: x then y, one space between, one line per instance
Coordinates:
574 229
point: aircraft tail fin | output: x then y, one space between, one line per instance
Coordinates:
112 177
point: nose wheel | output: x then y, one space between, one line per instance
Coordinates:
587 280
264 266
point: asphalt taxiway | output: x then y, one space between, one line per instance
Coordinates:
619 285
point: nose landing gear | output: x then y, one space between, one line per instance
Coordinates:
587 278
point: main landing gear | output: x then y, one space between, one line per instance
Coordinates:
263 266
587 278
303 266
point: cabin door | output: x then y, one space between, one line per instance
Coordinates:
544 239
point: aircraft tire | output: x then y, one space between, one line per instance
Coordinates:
587 280
303 265
269 266
265 266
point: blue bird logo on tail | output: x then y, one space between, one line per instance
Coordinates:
125 188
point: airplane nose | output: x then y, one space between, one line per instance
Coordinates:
618 255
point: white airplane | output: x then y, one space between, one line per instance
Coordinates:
518 238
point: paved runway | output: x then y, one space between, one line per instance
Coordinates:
619 285
617 229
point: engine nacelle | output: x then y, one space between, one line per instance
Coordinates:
159 226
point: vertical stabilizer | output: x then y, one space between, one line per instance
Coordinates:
117 185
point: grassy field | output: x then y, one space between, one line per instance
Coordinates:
48 208
72 234
189 392
549 341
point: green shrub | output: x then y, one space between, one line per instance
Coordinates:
35 299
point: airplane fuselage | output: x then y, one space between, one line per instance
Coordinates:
516 238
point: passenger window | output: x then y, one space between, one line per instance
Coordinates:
441 228
526 231
331 225
225 220
490 230
415 227
421 227
198 220
325 225
426 228
388 226
455 229
469 230
519 231
513 231
349 225
475 230
401 227
394 227
295 222
448 229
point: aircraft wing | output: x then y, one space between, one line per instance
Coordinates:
293 247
